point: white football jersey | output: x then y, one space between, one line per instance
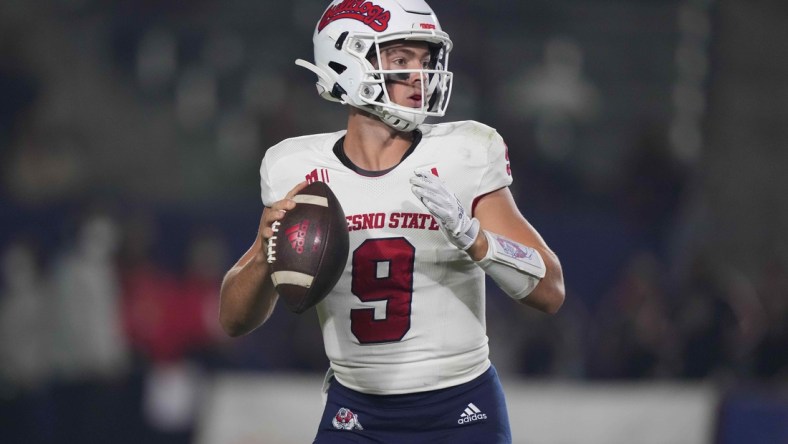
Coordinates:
408 313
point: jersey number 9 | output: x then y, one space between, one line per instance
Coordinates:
383 271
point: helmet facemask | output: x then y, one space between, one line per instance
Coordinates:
436 83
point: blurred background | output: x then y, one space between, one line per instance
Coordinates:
648 146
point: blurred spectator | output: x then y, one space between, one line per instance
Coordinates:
88 340
553 346
719 318
91 355
206 261
770 361
25 355
18 86
169 317
531 344
25 361
557 96
651 184
633 335
171 321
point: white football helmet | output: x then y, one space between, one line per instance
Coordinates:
351 31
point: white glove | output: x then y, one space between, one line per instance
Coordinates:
454 221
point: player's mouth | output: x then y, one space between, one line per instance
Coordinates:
415 100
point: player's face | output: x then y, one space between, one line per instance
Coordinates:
405 88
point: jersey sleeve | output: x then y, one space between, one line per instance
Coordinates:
266 184
498 173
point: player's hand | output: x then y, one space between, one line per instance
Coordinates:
273 214
456 224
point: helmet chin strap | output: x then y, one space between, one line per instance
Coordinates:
398 123
392 120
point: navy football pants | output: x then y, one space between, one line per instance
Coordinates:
470 413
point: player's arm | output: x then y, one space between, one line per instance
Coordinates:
498 213
247 296
526 269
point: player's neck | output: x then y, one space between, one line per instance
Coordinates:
372 145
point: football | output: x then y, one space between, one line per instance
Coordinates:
309 248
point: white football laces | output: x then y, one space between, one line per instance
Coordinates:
272 243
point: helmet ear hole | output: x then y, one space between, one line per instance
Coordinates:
341 40
338 92
337 67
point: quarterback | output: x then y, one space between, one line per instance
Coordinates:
429 214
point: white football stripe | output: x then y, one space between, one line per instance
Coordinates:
310 199
475 409
292 278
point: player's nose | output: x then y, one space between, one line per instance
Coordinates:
416 77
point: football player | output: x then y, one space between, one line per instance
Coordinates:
429 214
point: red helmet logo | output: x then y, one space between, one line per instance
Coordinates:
368 13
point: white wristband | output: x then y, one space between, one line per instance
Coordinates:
516 269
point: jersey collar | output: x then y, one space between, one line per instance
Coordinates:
339 151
